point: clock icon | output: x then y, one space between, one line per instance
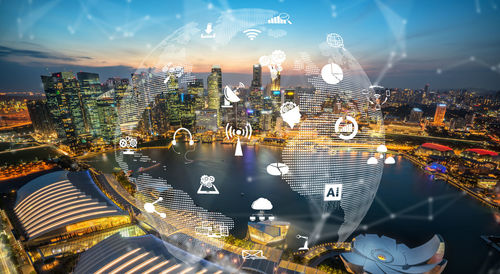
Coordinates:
332 73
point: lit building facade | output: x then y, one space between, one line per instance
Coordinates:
144 254
415 115
40 117
90 89
62 91
439 114
431 149
268 232
257 77
64 213
214 94
108 119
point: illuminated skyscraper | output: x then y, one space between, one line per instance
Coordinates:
415 115
214 94
289 95
257 76
108 119
64 105
40 117
196 89
275 84
90 89
439 115
217 70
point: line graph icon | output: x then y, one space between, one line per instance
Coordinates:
252 33
245 132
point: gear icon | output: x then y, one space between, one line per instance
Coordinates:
123 143
278 56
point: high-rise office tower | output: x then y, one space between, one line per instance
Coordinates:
64 105
275 84
439 114
289 95
257 77
217 70
469 119
90 89
214 94
119 85
40 117
415 115
108 119
196 89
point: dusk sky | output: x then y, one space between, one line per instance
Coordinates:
459 39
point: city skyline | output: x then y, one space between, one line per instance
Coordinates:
37 42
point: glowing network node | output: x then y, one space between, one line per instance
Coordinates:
150 208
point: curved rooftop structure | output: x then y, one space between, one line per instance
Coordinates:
143 254
374 254
436 147
61 202
482 152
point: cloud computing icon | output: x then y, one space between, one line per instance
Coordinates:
262 205
290 113
245 132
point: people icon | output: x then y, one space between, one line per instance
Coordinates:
290 113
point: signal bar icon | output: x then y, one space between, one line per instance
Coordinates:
346 128
282 18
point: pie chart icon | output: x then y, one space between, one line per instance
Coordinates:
277 169
332 73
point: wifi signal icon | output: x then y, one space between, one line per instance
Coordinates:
252 33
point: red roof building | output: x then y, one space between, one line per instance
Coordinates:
436 147
482 152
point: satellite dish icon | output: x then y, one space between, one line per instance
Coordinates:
230 95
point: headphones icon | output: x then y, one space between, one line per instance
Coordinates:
191 142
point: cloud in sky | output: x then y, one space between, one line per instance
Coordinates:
76 35
21 55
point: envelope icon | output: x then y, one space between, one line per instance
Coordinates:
252 254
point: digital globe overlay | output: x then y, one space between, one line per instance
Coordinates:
333 134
